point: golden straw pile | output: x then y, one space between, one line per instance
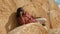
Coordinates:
38 8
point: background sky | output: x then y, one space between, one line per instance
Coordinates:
58 2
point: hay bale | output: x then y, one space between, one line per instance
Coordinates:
32 28
36 8
55 19
54 31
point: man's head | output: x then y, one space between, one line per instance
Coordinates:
20 11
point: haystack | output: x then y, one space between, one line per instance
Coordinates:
37 8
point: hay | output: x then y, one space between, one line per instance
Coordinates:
37 8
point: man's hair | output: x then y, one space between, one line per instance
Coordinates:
20 9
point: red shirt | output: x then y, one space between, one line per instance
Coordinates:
25 19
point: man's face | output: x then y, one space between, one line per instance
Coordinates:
21 13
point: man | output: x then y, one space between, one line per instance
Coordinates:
24 18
